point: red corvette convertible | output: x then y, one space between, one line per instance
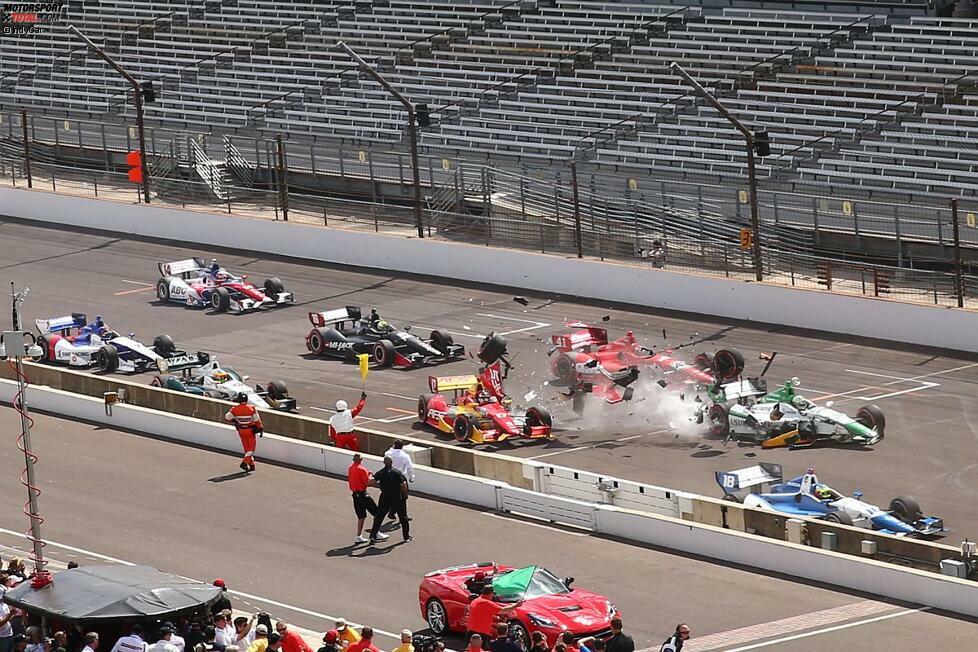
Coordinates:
549 604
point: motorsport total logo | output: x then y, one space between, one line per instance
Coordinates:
24 18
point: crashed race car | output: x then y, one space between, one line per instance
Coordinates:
806 496
193 283
586 362
216 381
745 410
479 410
71 340
345 334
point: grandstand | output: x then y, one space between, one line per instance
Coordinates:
870 100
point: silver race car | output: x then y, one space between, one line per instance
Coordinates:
216 381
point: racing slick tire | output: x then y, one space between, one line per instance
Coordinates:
538 416
277 390
842 518
423 401
164 345
872 417
383 353
519 633
461 428
436 616
906 508
163 289
107 358
728 364
492 348
564 368
316 340
732 498
168 382
441 341
221 299
719 420
273 286
44 341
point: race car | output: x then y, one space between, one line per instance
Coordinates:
588 363
549 604
745 410
216 381
193 283
479 410
806 496
71 340
345 334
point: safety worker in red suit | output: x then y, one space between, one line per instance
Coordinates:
341 431
247 422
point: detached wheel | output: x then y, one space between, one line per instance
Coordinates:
316 340
906 508
564 368
221 299
436 616
163 289
538 416
163 344
278 390
423 401
492 348
383 353
441 341
842 518
719 420
461 428
107 358
872 417
273 286
728 364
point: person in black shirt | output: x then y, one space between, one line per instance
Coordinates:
393 493
675 642
538 642
503 641
223 603
619 641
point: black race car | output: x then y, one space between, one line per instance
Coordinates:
345 334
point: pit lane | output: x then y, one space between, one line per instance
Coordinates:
930 445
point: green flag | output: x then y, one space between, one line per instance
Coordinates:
514 583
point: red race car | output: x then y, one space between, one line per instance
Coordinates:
549 604
588 363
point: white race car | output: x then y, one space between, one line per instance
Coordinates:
195 284
215 381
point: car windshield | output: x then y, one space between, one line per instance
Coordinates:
542 583
231 372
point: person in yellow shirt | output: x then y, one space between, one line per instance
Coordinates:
348 635
405 645
260 643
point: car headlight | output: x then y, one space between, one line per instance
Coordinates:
540 621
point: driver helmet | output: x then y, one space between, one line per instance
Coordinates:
214 266
382 325
241 397
98 323
801 402
221 276
220 376
823 491
341 405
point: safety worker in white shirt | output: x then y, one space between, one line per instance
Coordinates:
248 424
132 642
164 644
403 463
341 429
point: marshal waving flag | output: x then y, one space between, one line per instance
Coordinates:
514 583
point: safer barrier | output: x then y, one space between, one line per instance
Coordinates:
888 580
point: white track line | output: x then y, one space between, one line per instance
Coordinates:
138 283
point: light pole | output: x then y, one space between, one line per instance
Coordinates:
15 345
137 99
749 136
412 128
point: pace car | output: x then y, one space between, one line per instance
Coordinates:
345 334
806 496
745 410
549 604
216 381
71 340
193 283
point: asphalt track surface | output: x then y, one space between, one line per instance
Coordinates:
931 445
284 535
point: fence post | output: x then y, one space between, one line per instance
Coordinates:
899 238
312 159
578 240
283 192
726 260
855 219
325 219
27 148
958 281
95 182
815 218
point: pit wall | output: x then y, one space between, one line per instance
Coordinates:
884 319
797 561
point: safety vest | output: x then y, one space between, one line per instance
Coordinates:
245 416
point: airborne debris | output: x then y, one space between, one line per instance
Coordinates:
521 300
530 396
661 383
606 318
466 328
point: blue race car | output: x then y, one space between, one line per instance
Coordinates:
806 496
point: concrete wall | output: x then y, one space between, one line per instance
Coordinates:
950 328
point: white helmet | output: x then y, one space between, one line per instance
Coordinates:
341 405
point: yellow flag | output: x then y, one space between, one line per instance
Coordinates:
364 366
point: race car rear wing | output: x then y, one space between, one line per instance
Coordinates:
440 384
333 317
744 388
61 324
752 476
588 336
185 269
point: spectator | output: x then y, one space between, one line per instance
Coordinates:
483 612
34 641
366 643
195 636
341 430
403 463
348 635
260 644
406 642
393 496
675 642
503 641
274 642
91 642
570 643
223 630
331 642
132 642
223 603
163 644
210 643
60 641
619 640
244 631
475 644
176 640
358 478
6 628
538 642
291 641
20 643
597 645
